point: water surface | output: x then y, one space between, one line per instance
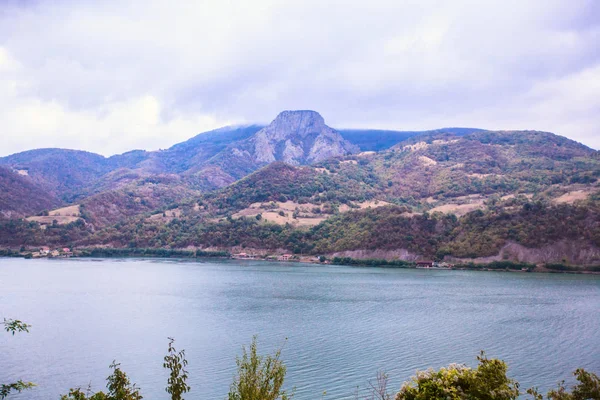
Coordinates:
338 325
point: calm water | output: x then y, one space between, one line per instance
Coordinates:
342 324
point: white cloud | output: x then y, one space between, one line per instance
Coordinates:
111 76
109 128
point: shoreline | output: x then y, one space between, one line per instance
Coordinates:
505 266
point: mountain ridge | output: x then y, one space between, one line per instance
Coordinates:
71 175
451 193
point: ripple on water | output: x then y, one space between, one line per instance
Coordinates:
342 324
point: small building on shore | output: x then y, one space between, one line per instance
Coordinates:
424 264
244 256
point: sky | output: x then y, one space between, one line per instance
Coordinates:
112 76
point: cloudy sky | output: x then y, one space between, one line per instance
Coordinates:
110 76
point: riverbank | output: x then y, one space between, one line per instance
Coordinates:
506 266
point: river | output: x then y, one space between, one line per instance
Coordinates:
338 325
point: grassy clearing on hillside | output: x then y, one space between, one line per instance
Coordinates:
62 216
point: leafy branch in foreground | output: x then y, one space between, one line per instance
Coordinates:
259 377
119 388
176 363
18 387
588 388
13 326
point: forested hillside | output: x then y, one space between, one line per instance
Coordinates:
20 196
451 194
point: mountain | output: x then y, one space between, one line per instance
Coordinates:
20 196
207 161
294 137
297 185
487 196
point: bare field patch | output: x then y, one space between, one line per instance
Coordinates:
512 196
288 218
459 209
442 141
481 176
364 205
168 215
427 161
49 219
64 215
366 153
415 147
306 214
72 211
572 197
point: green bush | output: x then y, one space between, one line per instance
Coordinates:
457 382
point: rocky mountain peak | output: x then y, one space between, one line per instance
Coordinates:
301 123
298 137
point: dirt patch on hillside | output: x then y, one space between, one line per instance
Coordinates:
289 212
481 176
62 216
366 153
427 161
364 205
72 211
288 218
461 205
572 197
168 215
415 147
296 214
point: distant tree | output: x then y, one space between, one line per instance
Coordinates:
258 377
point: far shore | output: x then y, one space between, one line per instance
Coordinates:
501 266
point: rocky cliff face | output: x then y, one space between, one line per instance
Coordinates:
298 137
294 137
